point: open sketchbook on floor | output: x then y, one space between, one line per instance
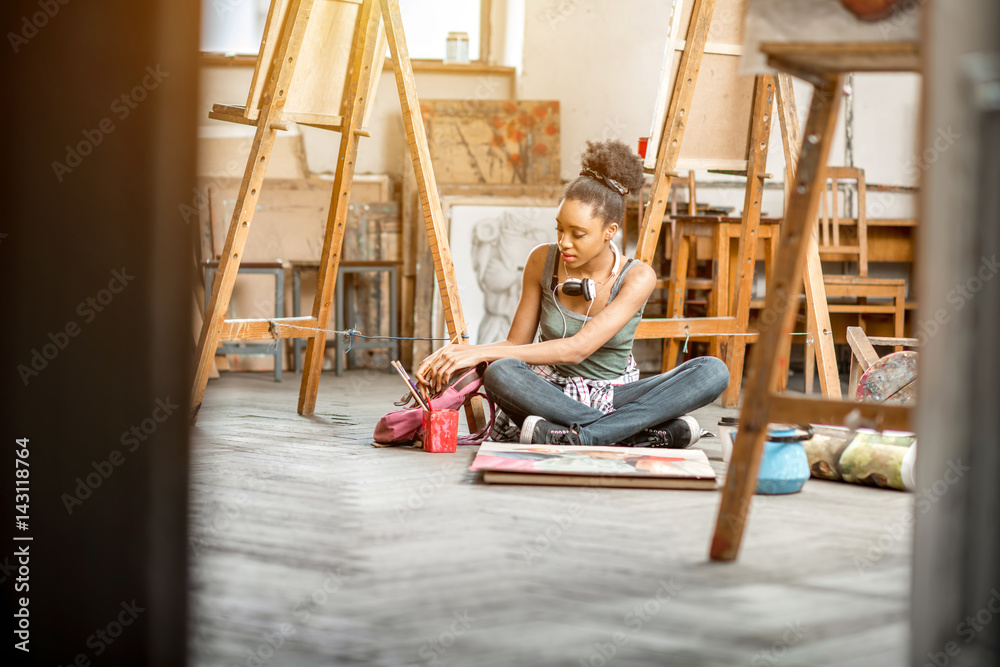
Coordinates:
639 467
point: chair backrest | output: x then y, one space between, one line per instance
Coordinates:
832 216
692 201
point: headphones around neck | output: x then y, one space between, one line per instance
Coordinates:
586 288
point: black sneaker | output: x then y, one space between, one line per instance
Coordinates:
536 431
678 433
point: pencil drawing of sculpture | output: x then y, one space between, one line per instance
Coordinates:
500 247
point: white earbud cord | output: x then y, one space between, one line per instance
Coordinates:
614 272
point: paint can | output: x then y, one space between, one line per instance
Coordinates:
784 466
441 430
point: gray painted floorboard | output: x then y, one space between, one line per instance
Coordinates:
311 547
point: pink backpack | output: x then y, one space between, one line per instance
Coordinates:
406 425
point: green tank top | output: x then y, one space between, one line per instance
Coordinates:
611 359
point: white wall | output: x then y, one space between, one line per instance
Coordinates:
602 62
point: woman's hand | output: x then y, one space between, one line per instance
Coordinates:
436 370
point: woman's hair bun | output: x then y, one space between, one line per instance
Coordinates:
616 160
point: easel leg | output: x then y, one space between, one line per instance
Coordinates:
810 347
816 303
246 202
760 133
361 59
782 301
427 188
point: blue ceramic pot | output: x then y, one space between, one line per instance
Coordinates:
784 466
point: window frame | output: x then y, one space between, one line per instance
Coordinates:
223 58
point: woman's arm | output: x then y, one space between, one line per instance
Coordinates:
436 370
522 328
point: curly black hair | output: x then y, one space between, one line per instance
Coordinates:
611 159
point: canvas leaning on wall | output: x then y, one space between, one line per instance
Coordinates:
490 243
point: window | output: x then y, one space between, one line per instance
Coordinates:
236 26
232 26
428 22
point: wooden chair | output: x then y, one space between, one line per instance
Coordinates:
845 238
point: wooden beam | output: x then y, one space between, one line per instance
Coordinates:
678 327
782 304
264 329
817 58
674 125
437 233
356 101
803 410
815 288
760 134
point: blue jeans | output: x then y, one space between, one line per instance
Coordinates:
638 405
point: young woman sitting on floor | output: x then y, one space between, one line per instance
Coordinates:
579 384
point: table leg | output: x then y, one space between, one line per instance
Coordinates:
296 311
279 311
338 319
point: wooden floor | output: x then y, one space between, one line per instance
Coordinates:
311 547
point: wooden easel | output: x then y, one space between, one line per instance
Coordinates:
318 65
823 64
667 156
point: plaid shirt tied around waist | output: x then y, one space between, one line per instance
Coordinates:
598 394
